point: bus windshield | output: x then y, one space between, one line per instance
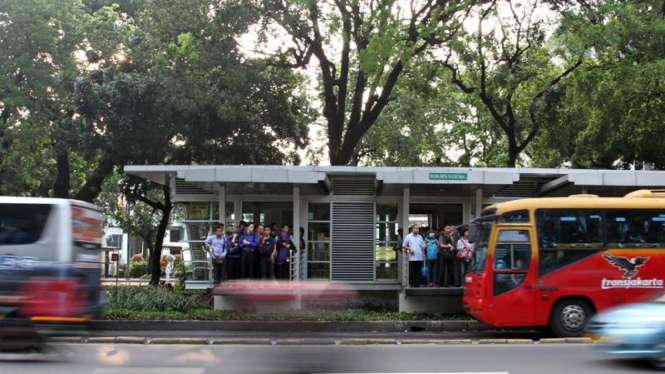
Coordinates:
481 240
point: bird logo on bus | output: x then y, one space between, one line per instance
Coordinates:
629 266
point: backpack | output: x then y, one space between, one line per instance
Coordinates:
432 249
266 247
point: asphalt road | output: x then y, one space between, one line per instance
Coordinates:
183 359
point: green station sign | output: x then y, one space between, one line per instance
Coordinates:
448 176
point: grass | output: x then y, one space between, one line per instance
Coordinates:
154 299
152 303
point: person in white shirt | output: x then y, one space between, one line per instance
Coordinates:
415 245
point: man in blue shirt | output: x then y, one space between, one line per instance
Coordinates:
249 243
217 245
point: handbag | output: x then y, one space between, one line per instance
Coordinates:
446 252
463 254
425 270
234 250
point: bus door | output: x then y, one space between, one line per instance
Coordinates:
513 291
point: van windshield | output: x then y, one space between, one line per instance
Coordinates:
22 223
481 243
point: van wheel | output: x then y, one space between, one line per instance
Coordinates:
569 317
659 360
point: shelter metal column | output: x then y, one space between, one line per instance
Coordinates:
404 264
295 266
479 201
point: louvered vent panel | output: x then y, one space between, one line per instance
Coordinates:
186 188
353 242
287 218
353 185
522 188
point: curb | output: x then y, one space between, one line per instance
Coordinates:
291 326
249 341
314 341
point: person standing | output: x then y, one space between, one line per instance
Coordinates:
432 253
446 257
257 258
303 242
249 243
218 246
284 247
464 253
234 255
400 238
169 268
267 251
414 244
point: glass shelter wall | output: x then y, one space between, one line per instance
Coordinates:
386 238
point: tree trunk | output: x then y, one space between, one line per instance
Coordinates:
62 181
156 255
93 185
337 158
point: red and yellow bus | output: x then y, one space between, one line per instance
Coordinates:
552 263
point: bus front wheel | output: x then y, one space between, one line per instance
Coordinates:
569 317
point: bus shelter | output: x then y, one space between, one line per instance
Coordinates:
350 215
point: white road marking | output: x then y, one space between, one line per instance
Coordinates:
140 370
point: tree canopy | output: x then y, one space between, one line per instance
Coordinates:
87 86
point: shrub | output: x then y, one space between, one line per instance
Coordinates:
122 270
138 269
137 257
179 273
178 258
156 299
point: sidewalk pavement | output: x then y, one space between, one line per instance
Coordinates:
292 326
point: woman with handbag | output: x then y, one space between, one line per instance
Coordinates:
432 257
464 253
284 246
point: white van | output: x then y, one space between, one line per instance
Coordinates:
50 261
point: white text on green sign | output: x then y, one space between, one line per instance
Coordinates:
447 176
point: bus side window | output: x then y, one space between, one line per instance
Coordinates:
566 236
636 228
519 216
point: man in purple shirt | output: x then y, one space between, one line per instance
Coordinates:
249 243
218 246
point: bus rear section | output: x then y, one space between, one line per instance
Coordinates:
49 265
501 266
565 260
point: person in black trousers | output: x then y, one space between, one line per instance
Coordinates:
446 257
268 250
234 255
249 243
257 258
